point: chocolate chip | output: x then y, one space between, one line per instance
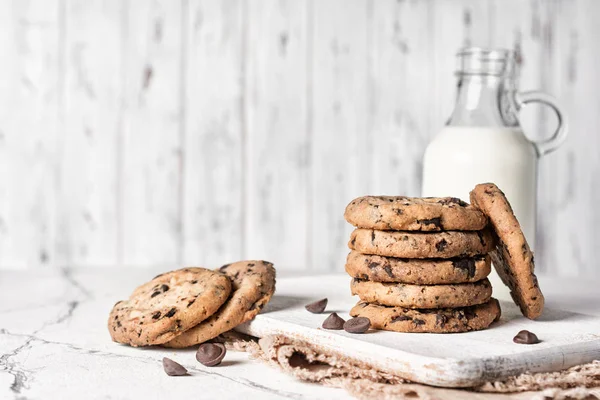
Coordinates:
156 315
224 267
357 325
526 337
373 265
441 245
173 368
372 236
317 307
465 264
419 322
171 312
437 222
161 289
211 354
191 302
388 270
399 211
441 319
453 200
401 318
334 322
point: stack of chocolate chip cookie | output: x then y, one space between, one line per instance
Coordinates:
421 264
189 306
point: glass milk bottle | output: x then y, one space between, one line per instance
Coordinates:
483 142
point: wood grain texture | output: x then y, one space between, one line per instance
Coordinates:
277 143
151 151
339 111
456 24
89 146
201 132
571 175
399 112
214 132
29 95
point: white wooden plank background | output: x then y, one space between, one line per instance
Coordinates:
154 132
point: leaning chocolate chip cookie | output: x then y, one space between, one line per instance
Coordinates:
168 305
422 296
400 213
421 245
448 320
253 286
417 271
512 257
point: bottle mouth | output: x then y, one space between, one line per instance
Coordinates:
484 61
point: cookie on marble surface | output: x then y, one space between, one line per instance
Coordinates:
168 305
512 257
422 296
417 271
448 320
253 286
422 245
400 213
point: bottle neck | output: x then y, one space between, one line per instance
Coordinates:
482 101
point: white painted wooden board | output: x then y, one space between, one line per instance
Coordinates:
451 360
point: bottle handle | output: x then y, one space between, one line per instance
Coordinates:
545 146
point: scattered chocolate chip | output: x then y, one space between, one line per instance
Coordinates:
317 307
372 236
224 267
156 315
526 337
211 354
357 325
419 322
173 368
441 245
334 322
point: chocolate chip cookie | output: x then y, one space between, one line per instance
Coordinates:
417 271
168 305
253 286
421 245
399 213
512 257
422 296
448 320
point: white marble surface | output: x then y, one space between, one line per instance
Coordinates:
54 343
